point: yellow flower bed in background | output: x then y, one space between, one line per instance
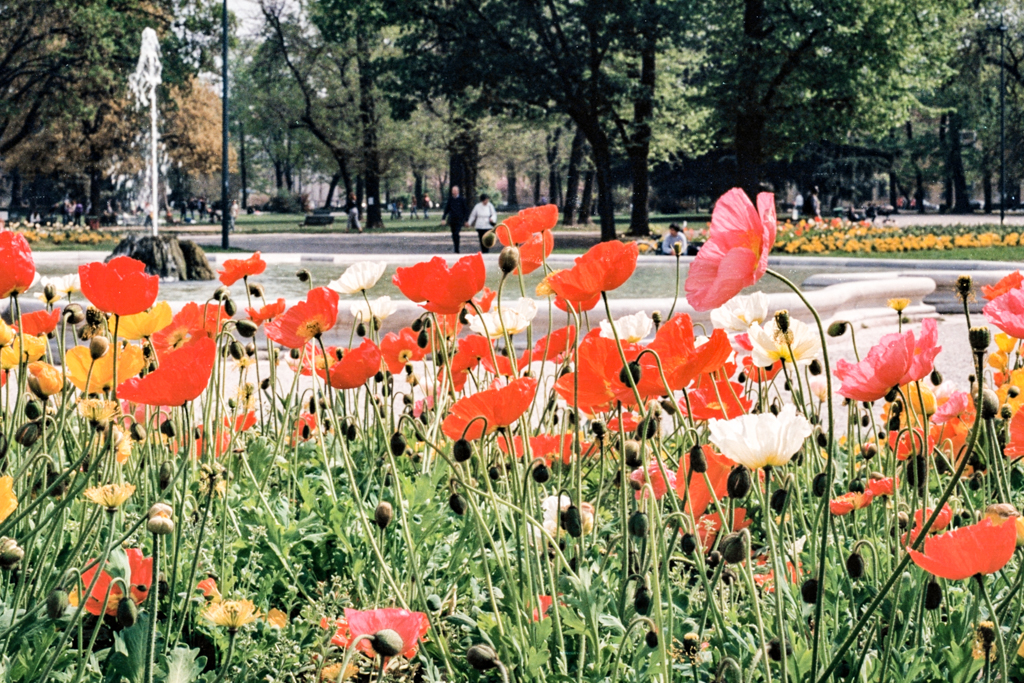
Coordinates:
57 235
842 236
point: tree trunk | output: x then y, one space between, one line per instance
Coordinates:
510 176
536 189
572 179
278 176
640 146
605 200
417 190
552 153
330 190
464 158
962 202
15 188
986 187
95 189
241 164
359 190
749 141
919 191
588 197
894 190
368 122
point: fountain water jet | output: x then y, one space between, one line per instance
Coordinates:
143 84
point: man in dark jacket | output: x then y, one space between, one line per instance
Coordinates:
456 215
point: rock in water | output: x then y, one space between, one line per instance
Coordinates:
166 257
197 266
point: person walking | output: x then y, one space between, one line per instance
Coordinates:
483 218
234 213
352 211
815 203
455 214
798 206
79 210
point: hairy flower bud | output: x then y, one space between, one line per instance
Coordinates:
734 548
980 338
482 657
56 603
738 483
397 444
508 259
10 553
638 524
246 328
383 514
837 329
127 613
387 643
698 461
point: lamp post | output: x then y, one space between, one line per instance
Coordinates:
225 221
1002 121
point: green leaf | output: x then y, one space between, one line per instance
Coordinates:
128 661
182 666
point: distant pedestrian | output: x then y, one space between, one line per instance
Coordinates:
675 236
234 213
79 211
815 203
352 211
798 205
202 208
483 219
427 206
456 213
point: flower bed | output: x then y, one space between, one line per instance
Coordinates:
458 500
842 236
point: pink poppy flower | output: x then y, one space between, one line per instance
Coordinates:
926 348
883 368
661 481
1007 312
736 253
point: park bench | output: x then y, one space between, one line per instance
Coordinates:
315 219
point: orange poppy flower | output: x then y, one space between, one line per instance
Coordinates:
982 548
700 496
602 269
266 313
39 323
718 400
554 347
44 379
306 320
17 268
598 366
881 486
1012 281
499 407
682 361
356 366
140 580
439 289
473 351
848 502
188 325
522 226
483 300
410 627
236 269
182 376
120 286
546 446
401 348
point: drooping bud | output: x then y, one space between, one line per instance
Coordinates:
738 483
541 474
166 474
932 595
989 404
573 521
698 461
638 524
10 553
688 543
935 378
775 649
246 328
98 347
28 434
508 259
127 613
397 444
56 603
457 504
642 600
303 275
809 591
631 450
820 484
734 548
383 514
855 565
387 643
74 314
837 329
482 657
778 500
462 450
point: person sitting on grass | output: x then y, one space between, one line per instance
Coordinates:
675 236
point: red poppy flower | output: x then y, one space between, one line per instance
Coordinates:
305 426
1015 444
578 306
120 286
735 255
681 360
473 351
401 348
439 289
541 612
521 227
555 347
941 521
848 502
1012 281
17 268
533 251
484 299
910 441
266 313
882 369
39 323
982 548
356 366
1007 312
188 325
410 627
546 446
595 385
182 376
602 269
221 442
209 588
883 486
699 496
629 423
306 320
499 407
236 269
243 422
710 524
661 480
140 580
760 374
719 400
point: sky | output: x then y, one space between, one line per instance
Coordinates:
248 13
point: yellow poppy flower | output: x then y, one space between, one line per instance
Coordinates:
277 618
1005 342
234 614
129 363
145 324
44 379
8 499
111 496
7 333
35 348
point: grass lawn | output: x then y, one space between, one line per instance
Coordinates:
974 254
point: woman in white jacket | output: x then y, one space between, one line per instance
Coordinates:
483 218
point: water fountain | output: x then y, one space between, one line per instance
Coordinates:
143 84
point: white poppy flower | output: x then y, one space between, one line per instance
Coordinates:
380 308
359 277
800 345
511 319
763 439
740 312
63 286
631 328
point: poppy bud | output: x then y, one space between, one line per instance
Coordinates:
28 434
822 440
734 548
820 484
482 657
642 600
434 602
160 525
1006 412
295 354
669 406
648 428
738 483
868 451
815 367
652 636
932 595
167 429
598 429
230 307
166 474
837 329
782 320
688 543
698 461
10 553
774 408
494 472
236 350
256 290
127 613
457 504
572 521
631 449
935 378
56 603
964 287
383 514
775 649
631 368
303 275
360 330
398 444
989 404
508 259
891 395
855 565
33 410
541 473
74 314
638 524
894 423
980 338
350 432
904 519
656 317
387 643
246 328
462 451
778 500
809 591
1013 392
98 347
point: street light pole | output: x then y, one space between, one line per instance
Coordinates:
1002 121
224 208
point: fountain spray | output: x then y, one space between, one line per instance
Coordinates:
143 84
